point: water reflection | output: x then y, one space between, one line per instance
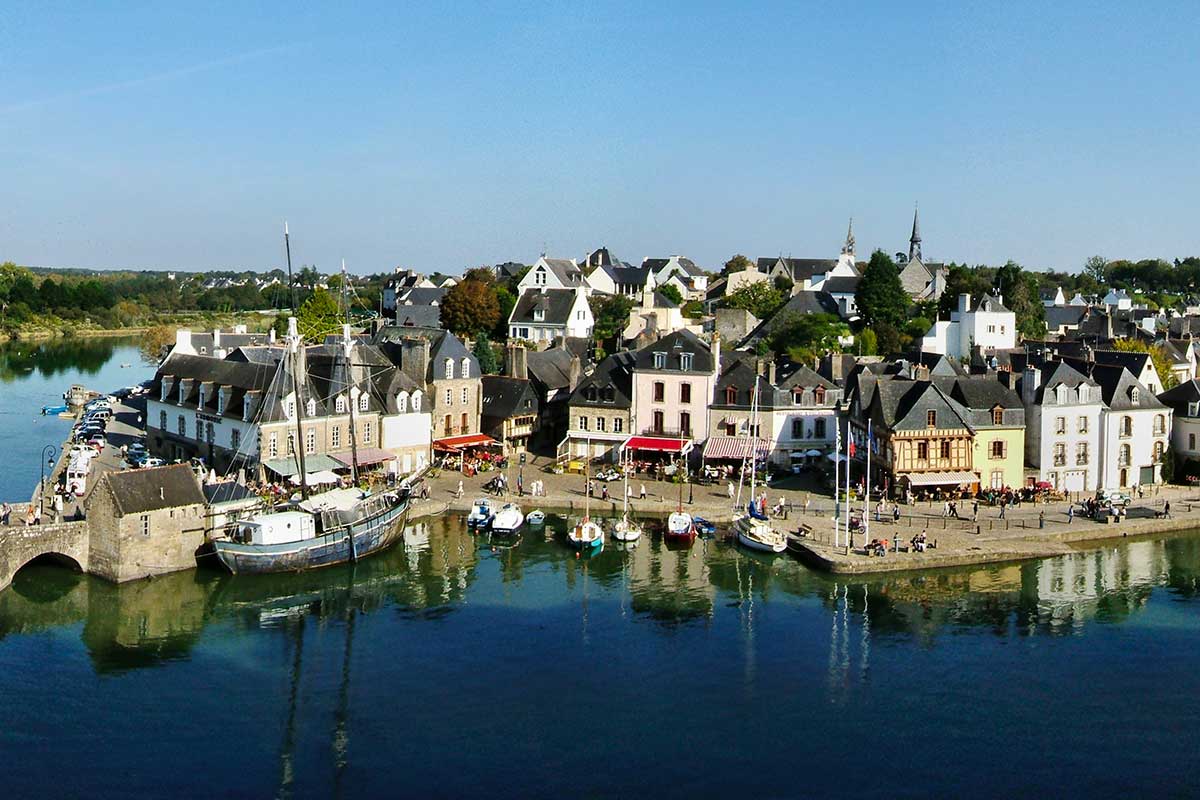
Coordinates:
56 356
440 569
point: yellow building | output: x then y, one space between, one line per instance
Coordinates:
998 419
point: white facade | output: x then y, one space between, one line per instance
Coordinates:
1133 441
578 323
1063 432
1118 299
410 437
744 278
990 326
549 274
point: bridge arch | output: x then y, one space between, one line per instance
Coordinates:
63 543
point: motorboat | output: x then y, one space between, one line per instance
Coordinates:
587 535
481 513
704 527
680 527
536 517
508 519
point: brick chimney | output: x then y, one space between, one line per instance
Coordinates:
517 361
573 373
414 358
771 372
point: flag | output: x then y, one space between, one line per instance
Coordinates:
850 447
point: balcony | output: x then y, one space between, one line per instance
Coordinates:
673 433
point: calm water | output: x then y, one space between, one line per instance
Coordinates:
33 375
448 668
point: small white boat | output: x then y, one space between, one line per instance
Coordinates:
481 513
626 530
680 527
587 535
757 534
508 519
536 517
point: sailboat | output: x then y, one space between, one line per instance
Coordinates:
625 530
680 527
753 530
586 535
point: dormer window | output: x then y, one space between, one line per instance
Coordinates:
539 277
819 395
200 402
449 369
220 401
997 416
310 408
466 368
290 408
539 314
363 402
1133 395
339 405
660 360
182 391
685 361
730 395
931 418
164 390
246 406
1193 409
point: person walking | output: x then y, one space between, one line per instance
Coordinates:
642 493
458 493
5 513
604 492
1166 510
1003 505
1070 514
729 490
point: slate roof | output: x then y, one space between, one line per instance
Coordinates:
1055 374
422 296
612 378
840 284
1059 316
740 373
1133 361
140 491
505 397
1117 385
419 316
806 377
568 273
551 368
800 269
442 345
980 394
990 303
1181 396
904 405
624 274
800 303
674 345
685 264
554 303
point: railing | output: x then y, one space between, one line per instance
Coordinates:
676 433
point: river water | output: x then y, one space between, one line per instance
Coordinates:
454 666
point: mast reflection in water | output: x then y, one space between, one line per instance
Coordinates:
456 664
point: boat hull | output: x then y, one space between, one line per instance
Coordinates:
369 536
746 538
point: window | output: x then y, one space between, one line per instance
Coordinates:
235 439
730 395
658 422
931 418
583 423
449 426
339 405
1133 395
819 395
465 426
208 432
660 360
1191 441
997 479
449 364
997 416
991 328
310 408
1158 452
1083 424
819 429
310 441
368 429
220 401
165 389
539 277
182 426
730 429
685 361
945 448
162 420
449 397
1194 409
600 423
1060 455
273 445
1123 456
291 444
685 393
145 521
199 430
402 403
539 314
416 401
997 448
335 437
465 368
464 396
182 390
617 425
291 408
685 424
1126 426
1081 454
1060 425
922 451
364 402
1160 424
660 391
797 429
579 314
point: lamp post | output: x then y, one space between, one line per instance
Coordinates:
48 453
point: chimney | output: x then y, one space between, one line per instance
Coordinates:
271 336
964 303
771 372
216 338
414 358
518 361
183 342
1030 384
716 352
760 366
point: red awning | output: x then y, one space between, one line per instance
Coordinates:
456 443
660 444
366 456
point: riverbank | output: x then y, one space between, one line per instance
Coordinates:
50 330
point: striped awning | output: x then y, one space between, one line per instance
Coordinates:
314 463
942 478
732 447
366 456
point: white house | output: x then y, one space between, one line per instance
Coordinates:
543 315
841 282
1063 426
655 314
1184 402
553 273
1136 427
1118 300
680 270
1055 299
743 278
989 325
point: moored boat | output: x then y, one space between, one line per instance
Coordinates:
587 535
625 529
481 513
536 517
508 519
757 534
680 527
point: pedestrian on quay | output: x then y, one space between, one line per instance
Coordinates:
729 490
589 487
604 492
1041 519
896 513
37 514
460 489
6 513
642 494
975 511
1166 509
1070 514
58 507
1003 505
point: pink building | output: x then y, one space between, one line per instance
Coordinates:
673 382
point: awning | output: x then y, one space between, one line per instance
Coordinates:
737 447
811 453
366 456
316 478
659 444
455 443
942 478
288 466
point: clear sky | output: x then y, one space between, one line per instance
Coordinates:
181 135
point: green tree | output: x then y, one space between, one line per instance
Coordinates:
611 314
1019 290
880 296
318 317
805 336
506 301
887 339
485 354
738 263
470 307
866 343
1096 268
759 298
1158 356
672 293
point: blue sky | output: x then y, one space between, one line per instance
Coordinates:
181 135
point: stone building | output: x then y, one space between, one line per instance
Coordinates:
444 370
600 411
145 522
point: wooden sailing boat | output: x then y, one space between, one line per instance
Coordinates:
586 535
753 530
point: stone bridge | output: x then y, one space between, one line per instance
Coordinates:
20 544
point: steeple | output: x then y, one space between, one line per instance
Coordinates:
848 247
914 243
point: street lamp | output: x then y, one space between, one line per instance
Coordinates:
48 453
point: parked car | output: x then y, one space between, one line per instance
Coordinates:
98 442
1113 497
152 462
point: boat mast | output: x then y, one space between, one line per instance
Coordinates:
295 343
752 440
287 246
587 477
347 346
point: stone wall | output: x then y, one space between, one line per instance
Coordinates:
132 546
20 544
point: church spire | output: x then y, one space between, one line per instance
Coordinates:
848 247
914 243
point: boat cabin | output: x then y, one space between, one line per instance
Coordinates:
281 528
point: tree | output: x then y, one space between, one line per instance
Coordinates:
738 263
154 342
1158 355
481 274
485 355
671 292
866 343
1019 291
505 302
759 298
881 296
806 336
307 277
470 307
318 317
611 313
887 339
1096 268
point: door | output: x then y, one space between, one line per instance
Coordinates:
1147 476
464 424
406 463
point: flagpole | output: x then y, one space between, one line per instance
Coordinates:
837 447
849 445
867 493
